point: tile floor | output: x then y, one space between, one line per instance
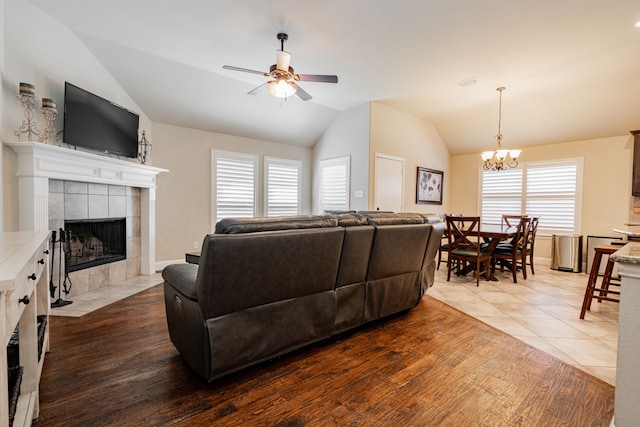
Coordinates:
101 297
543 311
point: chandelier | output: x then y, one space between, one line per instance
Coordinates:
500 159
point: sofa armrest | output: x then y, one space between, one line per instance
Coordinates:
182 277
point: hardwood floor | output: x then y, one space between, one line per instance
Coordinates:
433 366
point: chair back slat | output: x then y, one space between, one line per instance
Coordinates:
522 236
533 229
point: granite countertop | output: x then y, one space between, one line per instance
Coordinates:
632 230
629 254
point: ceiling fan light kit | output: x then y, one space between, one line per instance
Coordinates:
280 88
283 83
500 159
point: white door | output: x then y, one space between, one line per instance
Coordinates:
389 183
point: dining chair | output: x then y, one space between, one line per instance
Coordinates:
513 255
444 247
531 241
465 247
511 220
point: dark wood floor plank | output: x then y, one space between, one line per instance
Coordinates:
431 366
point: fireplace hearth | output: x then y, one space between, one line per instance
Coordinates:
93 242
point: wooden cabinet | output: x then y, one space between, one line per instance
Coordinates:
24 298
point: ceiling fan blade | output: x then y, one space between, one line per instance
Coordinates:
244 70
302 94
259 89
321 78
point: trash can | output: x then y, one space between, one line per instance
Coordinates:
566 252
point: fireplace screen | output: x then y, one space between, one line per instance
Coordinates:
94 242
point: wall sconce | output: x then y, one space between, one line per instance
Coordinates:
144 149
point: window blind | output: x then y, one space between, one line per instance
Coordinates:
334 184
548 190
501 194
551 195
282 182
234 185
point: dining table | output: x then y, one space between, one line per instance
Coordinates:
492 234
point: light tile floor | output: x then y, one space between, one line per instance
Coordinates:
543 311
101 297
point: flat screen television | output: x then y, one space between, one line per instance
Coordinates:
94 122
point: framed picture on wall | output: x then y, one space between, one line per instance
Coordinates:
429 186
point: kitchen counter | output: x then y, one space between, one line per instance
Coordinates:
628 254
627 392
632 231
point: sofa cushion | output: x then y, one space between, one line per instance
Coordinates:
431 218
337 212
351 219
391 218
250 225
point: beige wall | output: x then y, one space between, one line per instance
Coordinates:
183 204
399 134
606 199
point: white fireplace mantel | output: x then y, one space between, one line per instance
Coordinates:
38 162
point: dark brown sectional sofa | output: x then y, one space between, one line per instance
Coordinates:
267 286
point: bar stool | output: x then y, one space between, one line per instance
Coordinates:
604 291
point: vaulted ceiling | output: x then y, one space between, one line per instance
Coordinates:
571 67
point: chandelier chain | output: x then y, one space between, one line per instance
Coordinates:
500 159
499 136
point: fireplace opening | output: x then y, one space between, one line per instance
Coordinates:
94 242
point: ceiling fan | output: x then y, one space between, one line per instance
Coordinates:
284 80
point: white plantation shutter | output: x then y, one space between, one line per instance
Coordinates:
552 195
549 190
501 194
334 183
233 185
282 183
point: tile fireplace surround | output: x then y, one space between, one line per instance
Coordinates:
41 166
72 200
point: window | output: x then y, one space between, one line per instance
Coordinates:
501 194
282 184
550 190
233 184
334 183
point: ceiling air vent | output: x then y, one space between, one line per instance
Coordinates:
467 82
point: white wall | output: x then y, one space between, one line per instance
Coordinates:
41 51
399 134
348 135
2 38
183 203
